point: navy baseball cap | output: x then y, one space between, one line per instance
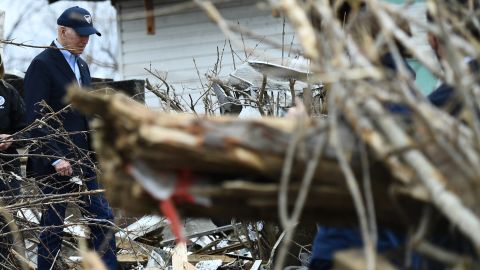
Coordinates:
79 19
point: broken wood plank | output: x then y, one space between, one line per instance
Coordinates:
195 258
256 265
91 260
131 258
280 72
225 228
23 260
354 259
218 149
150 16
226 249
141 227
180 258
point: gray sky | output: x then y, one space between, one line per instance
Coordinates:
34 22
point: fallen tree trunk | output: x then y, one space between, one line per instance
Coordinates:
237 161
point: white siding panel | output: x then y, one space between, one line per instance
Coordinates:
162 9
184 66
179 38
141 45
199 28
245 13
417 12
167 35
184 48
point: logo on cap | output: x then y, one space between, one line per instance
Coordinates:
88 18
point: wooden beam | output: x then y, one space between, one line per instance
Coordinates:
180 258
150 16
21 258
233 162
225 228
132 258
354 259
195 258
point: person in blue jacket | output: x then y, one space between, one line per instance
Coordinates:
328 240
64 152
12 122
445 96
332 239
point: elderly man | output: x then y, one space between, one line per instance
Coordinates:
64 158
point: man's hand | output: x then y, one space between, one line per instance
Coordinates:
63 168
5 142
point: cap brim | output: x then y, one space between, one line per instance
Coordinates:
87 31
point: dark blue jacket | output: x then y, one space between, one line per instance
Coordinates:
12 120
47 79
329 240
447 98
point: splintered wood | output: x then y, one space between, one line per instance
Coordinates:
180 258
212 164
231 161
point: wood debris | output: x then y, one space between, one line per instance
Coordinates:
234 161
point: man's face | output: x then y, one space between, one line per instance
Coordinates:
72 41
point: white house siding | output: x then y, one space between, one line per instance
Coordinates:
181 37
426 82
2 27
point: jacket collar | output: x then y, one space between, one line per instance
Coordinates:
61 62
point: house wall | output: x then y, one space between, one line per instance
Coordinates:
2 27
187 45
425 81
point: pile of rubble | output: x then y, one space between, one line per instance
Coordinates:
147 243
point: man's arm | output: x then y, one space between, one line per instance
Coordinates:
17 118
17 115
37 87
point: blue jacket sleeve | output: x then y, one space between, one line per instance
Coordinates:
445 97
17 115
37 88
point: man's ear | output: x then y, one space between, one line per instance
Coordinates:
60 31
63 31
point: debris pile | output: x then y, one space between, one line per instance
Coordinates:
382 156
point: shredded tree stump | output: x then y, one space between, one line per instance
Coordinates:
238 162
